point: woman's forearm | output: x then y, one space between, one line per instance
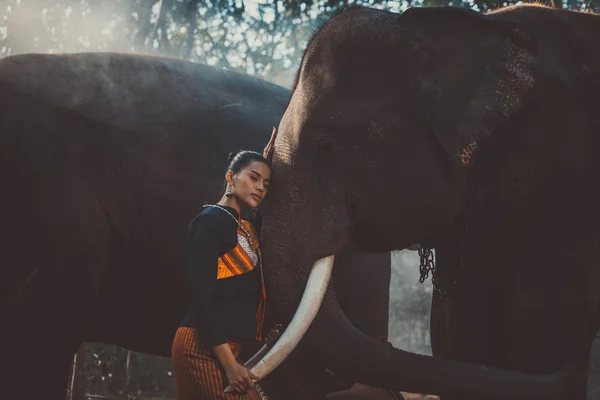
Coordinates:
224 355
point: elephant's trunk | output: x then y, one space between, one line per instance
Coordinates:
346 350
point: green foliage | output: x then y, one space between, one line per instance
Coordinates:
258 37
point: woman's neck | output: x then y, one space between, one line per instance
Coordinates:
231 202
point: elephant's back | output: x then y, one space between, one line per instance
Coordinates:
136 92
65 111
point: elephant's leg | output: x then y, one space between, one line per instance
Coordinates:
42 376
552 309
362 287
46 317
449 325
463 325
39 338
468 325
461 330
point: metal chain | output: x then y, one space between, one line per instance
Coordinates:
427 264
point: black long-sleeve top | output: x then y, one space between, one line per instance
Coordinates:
219 309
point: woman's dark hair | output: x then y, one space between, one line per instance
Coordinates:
240 159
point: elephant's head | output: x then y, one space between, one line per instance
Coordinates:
374 151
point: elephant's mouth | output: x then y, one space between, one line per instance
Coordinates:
311 301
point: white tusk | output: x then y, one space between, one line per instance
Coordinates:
257 357
313 296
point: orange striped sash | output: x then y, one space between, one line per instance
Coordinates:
242 259
239 260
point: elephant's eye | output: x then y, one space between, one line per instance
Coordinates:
325 150
324 143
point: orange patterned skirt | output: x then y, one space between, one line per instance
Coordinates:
198 373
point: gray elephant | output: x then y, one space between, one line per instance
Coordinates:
105 158
475 134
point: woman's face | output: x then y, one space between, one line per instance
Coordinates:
250 185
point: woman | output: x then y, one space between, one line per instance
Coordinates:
227 289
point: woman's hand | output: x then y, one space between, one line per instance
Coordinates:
239 377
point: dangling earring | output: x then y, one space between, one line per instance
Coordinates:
229 193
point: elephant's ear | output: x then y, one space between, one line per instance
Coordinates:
474 73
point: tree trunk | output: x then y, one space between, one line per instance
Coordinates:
128 370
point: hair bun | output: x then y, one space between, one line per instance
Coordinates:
232 155
240 159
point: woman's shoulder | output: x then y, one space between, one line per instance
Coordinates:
212 218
